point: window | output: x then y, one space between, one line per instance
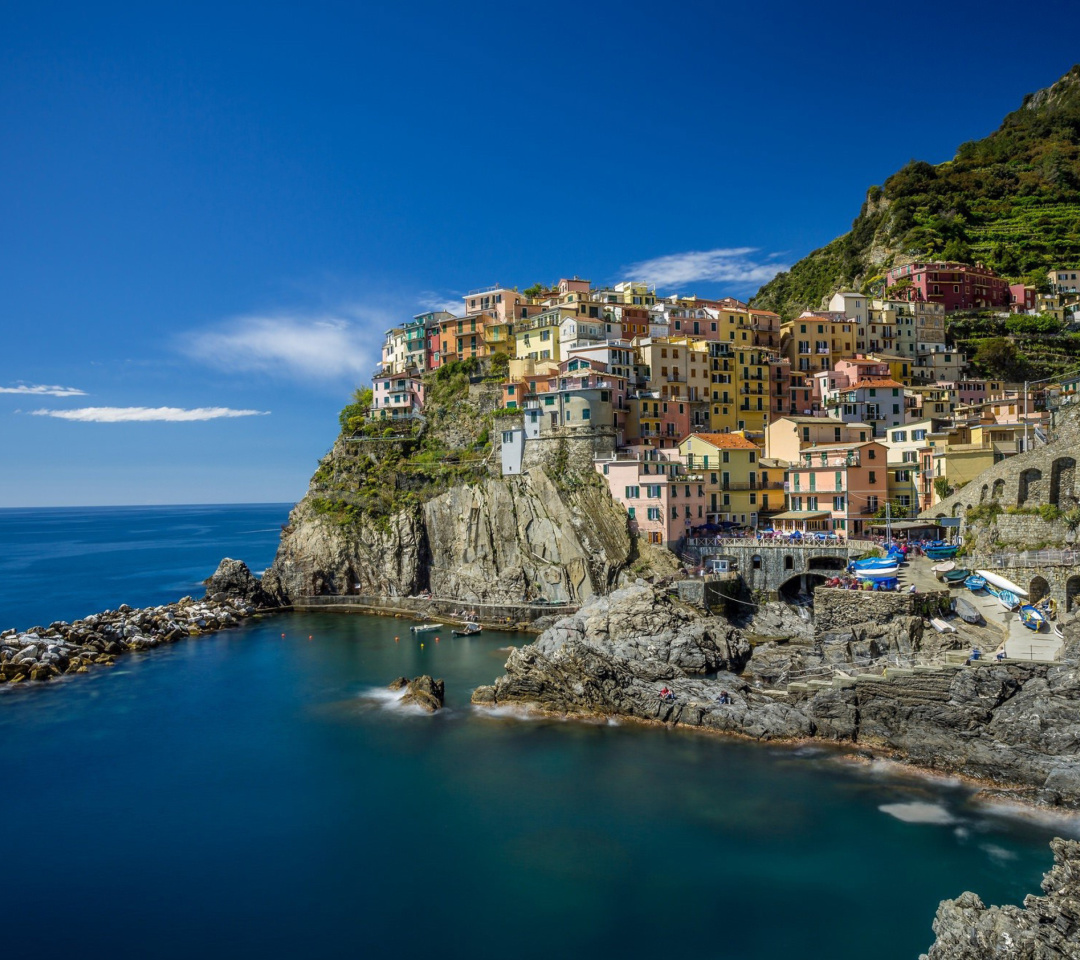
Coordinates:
674 513
752 456
838 503
632 493
654 513
871 502
918 434
586 414
726 458
899 436
631 512
873 478
871 454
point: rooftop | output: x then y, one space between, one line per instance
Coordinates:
728 441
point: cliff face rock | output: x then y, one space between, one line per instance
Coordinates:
497 540
233 579
1046 927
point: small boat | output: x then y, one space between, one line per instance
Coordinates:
942 568
941 553
1031 618
1008 599
425 627
878 573
955 578
1059 631
871 563
1047 605
941 626
975 583
966 611
996 580
468 630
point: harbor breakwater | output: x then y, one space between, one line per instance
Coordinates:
46 653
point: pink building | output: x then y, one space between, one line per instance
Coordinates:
662 502
1024 298
396 397
957 286
835 487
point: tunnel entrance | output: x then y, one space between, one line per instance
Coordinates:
799 590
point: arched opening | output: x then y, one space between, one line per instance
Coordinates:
1072 593
939 516
1030 482
827 563
1037 589
799 589
1062 474
755 562
957 509
789 562
983 492
998 490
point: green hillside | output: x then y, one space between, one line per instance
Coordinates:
1010 200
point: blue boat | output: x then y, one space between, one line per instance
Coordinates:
871 562
1008 599
1031 618
975 582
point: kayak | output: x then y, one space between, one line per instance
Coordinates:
1031 618
975 582
996 580
878 573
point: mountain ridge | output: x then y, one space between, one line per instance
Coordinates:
1010 200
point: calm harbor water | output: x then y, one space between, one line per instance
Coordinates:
257 793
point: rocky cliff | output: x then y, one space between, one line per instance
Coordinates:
1046 928
500 540
1015 726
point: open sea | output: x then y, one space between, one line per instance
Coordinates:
259 794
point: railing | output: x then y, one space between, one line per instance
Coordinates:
1036 558
808 541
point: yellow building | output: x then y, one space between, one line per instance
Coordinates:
969 449
537 338
727 464
815 342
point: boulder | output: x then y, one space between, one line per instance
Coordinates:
424 692
233 579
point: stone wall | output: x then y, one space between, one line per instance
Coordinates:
836 611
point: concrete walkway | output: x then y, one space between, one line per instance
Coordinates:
1006 630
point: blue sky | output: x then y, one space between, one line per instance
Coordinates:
210 213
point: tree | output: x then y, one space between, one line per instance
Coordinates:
942 488
354 413
535 290
998 357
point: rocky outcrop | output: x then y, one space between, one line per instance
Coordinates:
1017 726
500 540
1046 928
423 692
42 653
233 579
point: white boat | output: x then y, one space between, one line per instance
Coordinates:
941 626
1060 633
425 627
940 569
877 573
1002 583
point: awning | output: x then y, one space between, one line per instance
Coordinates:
901 525
802 515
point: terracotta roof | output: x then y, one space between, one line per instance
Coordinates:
729 441
872 383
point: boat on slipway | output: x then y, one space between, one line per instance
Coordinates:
1002 583
955 578
975 583
966 611
1008 599
1031 618
946 552
940 569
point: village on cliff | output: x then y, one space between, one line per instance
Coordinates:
708 416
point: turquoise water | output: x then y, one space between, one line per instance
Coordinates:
253 794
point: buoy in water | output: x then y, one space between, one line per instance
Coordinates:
436 639
421 646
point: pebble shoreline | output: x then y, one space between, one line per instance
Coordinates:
41 654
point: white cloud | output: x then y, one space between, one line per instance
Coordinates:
734 265
308 347
445 301
147 414
39 390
